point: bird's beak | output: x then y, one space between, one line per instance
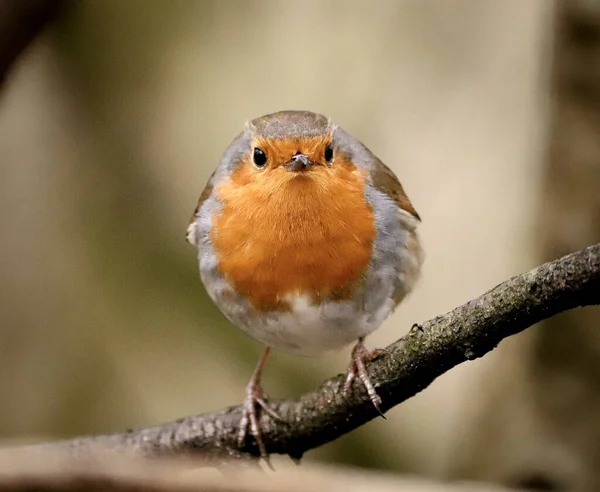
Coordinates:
300 162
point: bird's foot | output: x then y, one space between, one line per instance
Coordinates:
255 401
359 358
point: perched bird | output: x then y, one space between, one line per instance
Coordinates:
306 241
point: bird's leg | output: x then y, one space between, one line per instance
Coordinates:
255 397
359 357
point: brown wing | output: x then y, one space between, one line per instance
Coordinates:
386 181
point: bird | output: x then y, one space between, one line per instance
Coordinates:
307 242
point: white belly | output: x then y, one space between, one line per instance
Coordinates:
308 329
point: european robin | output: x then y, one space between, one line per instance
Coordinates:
307 242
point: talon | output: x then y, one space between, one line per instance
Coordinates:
350 376
377 352
255 399
360 356
416 327
262 401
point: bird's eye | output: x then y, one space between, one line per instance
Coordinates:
259 157
329 153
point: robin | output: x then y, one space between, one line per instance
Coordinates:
307 242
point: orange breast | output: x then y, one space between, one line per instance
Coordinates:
280 234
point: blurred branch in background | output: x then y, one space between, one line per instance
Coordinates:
408 366
20 23
133 475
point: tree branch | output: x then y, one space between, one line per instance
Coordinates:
410 365
20 22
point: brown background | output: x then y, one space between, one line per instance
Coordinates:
109 128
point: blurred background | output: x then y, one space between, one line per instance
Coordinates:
114 118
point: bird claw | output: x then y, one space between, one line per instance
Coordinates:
357 367
255 399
